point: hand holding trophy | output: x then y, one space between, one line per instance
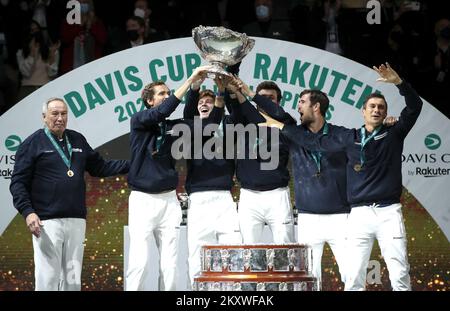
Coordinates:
221 47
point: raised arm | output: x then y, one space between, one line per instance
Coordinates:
159 113
192 96
300 137
269 107
411 112
198 74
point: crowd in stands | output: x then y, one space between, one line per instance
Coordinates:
37 44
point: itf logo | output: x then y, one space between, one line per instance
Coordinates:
432 141
12 143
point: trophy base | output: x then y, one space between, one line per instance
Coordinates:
269 267
218 73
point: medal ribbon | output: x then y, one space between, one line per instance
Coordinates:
365 140
317 155
66 160
161 137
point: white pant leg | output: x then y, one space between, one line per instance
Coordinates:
335 229
212 219
199 231
251 216
227 220
391 237
48 255
279 214
309 233
361 234
73 249
166 237
144 215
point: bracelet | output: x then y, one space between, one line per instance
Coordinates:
220 94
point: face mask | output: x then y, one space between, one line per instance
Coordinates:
133 34
84 7
139 12
262 11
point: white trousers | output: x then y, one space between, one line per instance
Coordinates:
315 230
58 254
272 207
212 219
160 215
367 223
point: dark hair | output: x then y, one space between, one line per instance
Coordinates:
269 85
139 20
374 95
205 93
148 92
316 96
39 38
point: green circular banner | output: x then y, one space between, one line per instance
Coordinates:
432 141
13 142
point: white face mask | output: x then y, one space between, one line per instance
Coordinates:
4 2
262 11
139 13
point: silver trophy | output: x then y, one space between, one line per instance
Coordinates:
221 47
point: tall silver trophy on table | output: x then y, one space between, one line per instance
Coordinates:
221 47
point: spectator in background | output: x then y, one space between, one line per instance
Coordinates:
201 12
142 10
239 13
305 17
6 85
441 65
331 14
266 25
82 43
48 13
4 81
135 34
135 28
38 61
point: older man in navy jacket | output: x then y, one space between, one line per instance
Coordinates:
49 191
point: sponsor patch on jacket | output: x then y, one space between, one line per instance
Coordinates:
381 136
77 150
49 151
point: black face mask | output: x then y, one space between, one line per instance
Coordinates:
132 35
445 33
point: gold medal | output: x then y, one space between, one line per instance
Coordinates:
70 173
357 167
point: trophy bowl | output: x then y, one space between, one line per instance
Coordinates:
221 47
